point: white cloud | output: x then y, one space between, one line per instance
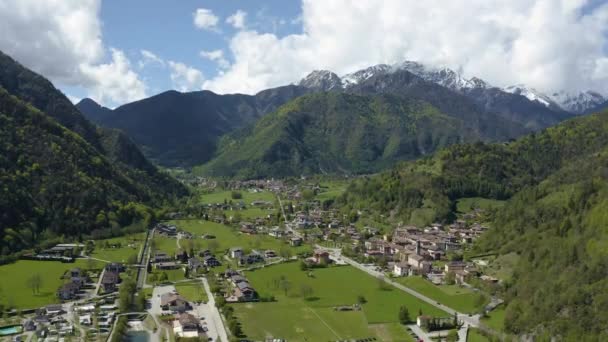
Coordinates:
148 58
73 99
114 81
205 19
62 40
184 77
216 56
237 20
547 44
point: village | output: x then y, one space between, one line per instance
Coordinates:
191 276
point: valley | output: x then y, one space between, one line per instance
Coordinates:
398 202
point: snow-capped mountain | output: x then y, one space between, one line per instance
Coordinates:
578 103
321 80
532 94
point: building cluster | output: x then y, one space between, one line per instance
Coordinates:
240 288
75 282
184 323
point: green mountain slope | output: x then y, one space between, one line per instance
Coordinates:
336 132
62 176
555 219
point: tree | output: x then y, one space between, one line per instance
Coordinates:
212 246
306 291
361 300
285 253
236 195
153 278
163 277
450 278
404 315
284 285
34 282
452 336
132 259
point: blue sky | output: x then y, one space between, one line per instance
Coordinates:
120 51
166 28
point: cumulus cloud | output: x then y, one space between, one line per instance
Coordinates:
237 20
205 19
216 56
114 80
184 77
546 44
149 58
62 40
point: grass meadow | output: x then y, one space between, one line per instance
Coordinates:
295 318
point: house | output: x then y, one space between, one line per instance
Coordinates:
53 309
229 273
29 325
109 281
454 266
211 261
401 268
423 321
251 259
68 291
115 267
194 264
321 257
182 256
244 292
186 325
161 257
85 320
164 229
270 253
295 241
415 260
173 302
167 266
76 273
236 252
247 228
276 232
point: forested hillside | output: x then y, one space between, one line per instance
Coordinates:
557 185
336 133
61 175
183 129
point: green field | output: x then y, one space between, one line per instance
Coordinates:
475 336
458 298
193 291
129 245
165 244
496 319
172 275
14 291
249 214
465 205
295 318
227 237
331 189
248 197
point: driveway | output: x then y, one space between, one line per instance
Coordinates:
212 316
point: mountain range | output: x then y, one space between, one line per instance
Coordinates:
61 174
185 129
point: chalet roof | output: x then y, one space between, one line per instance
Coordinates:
187 319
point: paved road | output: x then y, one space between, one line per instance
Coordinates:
337 255
142 272
212 315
